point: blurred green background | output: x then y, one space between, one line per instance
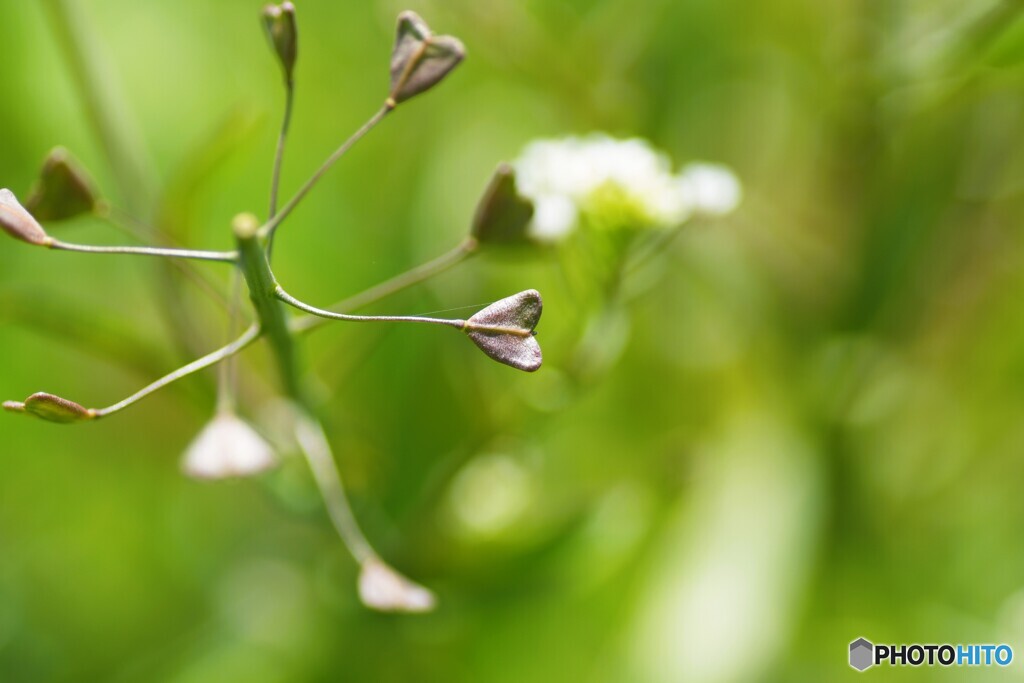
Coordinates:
806 427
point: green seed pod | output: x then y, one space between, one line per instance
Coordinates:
505 330
63 190
420 59
51 408
502 216
279 21
19 223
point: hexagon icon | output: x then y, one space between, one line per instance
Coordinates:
862 654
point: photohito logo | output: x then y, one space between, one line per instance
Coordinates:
864 655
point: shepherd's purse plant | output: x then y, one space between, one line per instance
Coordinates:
228 445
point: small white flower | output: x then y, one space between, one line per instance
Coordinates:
712 189
384 589
599 177
227 447
554 217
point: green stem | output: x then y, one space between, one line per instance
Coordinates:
292 301
197 255
465 325
275 180
310 435
269 311
385 289
271 225
317 449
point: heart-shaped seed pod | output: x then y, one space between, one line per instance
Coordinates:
420 59
505 330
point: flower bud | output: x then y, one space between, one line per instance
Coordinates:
19 223
420 59
51 408
502 216
279 21
382 588
505 330
227 447
63 189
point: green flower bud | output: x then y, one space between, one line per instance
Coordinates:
279 21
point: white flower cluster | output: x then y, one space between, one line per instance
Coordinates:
598 174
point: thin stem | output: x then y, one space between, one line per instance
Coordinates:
407 279
206 361
271 225
271 314
292 301
222 256
317 449
275 180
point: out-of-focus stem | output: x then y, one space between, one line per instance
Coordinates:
226 379
103 106
317 449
